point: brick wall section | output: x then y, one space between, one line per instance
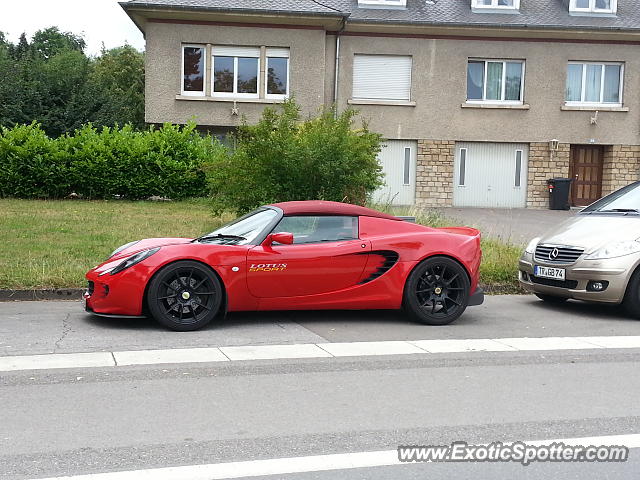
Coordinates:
620 167
434 187
544 164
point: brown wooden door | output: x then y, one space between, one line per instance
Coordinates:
586 171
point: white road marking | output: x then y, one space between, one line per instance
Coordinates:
316 463
466 345
178 355
356 349
310 350
56 360
548 343
269 352
613 342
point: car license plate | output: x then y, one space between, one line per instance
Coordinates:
549 272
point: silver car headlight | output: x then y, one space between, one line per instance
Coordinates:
617 249
532 245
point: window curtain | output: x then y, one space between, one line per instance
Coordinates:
475 80
513 81
611 84
574 83
494 81
593 83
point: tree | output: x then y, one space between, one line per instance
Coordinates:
49 42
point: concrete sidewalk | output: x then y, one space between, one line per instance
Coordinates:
515 225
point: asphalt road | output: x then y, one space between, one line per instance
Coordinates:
78 421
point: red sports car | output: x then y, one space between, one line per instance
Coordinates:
293 256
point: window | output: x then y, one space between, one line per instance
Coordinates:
277 73
312 229
193 68
406 172
518 179
495 6
594 83
236 71
463 166
593 6
495 81
382 77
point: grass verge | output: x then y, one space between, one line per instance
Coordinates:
51 244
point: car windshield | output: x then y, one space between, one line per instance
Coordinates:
242 230
626 200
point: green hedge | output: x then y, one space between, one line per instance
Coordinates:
94 163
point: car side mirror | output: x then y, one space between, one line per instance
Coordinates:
285 238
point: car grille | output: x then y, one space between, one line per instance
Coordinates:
571 284
566 255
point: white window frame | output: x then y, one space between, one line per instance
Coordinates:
478 7
204 74
376 99
276 96
504 83
406 166
517 181
592 8
235 93
462 167
601 103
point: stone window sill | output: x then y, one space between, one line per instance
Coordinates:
396 103
229 99
524 106
591 108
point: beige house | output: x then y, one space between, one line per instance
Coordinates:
481 101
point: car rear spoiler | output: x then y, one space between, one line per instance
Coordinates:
407 219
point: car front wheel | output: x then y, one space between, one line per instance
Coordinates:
184 296
437 291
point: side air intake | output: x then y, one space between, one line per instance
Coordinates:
389 259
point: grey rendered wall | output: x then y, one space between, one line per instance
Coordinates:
439 89
163 70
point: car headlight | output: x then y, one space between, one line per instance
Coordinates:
123 247
132 260
532 245
617 249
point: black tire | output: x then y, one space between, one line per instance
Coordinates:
184 296
631 302
437 291
551 298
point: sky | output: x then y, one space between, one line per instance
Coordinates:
98 20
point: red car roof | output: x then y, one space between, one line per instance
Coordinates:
321 207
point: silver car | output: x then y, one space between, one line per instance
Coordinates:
592 256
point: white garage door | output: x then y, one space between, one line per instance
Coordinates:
490 175
398 160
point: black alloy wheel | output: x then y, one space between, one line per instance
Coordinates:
184 296
437 291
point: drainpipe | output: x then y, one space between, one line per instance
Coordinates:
337 67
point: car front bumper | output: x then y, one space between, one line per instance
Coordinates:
579 277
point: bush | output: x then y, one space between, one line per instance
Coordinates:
104 163
282 158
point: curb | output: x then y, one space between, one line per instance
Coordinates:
47 294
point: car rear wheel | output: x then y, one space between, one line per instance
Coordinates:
437 291
551 298
184 296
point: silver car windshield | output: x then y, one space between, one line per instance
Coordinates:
242 230
625 200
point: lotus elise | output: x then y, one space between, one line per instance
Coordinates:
304 255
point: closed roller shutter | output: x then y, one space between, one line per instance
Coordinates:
381 77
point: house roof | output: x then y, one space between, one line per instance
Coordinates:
322 207
533 13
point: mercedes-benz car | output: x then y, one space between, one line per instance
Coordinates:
592 256
293 256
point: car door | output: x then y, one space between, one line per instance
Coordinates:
326 256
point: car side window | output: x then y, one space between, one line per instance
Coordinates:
315 229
